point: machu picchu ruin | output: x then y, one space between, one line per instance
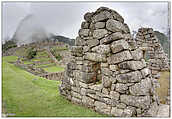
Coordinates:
108 70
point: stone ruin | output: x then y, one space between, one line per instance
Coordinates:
147 41
107 73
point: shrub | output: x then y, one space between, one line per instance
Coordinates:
58 57
31 53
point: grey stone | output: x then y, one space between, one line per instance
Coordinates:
129 112
112 37
76 100
163 111
101 49
105 91
92 42
102 107
83 91
77 95
121 88
106 71
106 81
137 54
132 65
121 105
99 33
113 67
84 85
76 50
127 30
114 95
88 16
113 86
115 26
85 25
95 57
88 101
87 77
96 87
76 89
116 112
86 48
141 88
152 112
130 77
119 57
102 16
84 32
99 25
119 45
145 72
104 65
140 102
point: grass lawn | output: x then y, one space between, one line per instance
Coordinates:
24 96
164 84
54 69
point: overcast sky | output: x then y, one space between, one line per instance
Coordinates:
64 18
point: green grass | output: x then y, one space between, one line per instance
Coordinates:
54 69
24 96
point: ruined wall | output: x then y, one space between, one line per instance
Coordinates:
149 43
107 72
54 76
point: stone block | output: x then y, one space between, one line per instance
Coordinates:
121 88
95 57
142 88
102 107
119 57
83 32
101 49
99 33
132 65
106 81
130 77
85 25
116 112
137 54
119 45
102 16
79 41
137 101
87 101
99 25
114 95
115 26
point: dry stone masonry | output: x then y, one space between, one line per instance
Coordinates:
107 72
147 41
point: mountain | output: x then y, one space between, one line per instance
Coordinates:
63 39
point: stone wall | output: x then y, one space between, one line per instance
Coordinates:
107 72
54 76
147 41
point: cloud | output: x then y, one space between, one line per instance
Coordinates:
64 18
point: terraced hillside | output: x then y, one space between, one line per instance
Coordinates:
24 94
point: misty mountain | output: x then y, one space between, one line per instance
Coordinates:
29 30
